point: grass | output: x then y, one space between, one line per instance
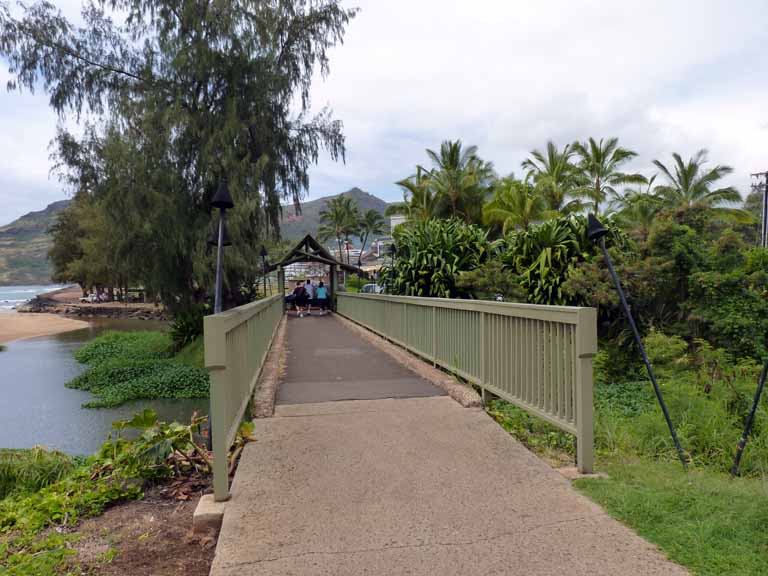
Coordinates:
702 520
192 354
27 471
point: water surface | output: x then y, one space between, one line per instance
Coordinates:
13 296
36 407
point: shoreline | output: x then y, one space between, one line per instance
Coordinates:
66 302
14 326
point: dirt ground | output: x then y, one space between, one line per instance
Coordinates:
149 537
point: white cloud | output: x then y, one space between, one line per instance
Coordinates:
505 75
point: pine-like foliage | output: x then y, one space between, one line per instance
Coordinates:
183 93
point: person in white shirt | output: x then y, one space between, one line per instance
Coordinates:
309 287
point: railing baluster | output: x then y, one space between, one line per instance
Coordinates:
538 357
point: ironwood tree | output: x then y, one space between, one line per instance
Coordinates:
195 91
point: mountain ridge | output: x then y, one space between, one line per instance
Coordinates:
24 245
295 226
24 242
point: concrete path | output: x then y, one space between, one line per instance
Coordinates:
328 362
410 486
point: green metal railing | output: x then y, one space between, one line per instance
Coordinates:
236 344
537 357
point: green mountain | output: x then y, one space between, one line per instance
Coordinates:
294 227
24 245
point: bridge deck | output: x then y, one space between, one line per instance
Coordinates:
403 486
327 362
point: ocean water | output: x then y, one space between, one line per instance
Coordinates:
13 296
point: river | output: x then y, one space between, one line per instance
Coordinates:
36 407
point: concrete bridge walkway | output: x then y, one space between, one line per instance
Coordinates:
366 469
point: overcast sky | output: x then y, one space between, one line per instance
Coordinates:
504 75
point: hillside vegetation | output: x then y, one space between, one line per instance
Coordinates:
294 227
24 245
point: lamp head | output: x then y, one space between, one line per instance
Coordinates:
263 252
222 199
595 228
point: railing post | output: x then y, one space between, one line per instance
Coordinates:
215 346
482 353
434 335
586 348
219 385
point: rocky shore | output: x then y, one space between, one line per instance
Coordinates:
47 305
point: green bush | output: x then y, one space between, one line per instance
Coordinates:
193 354
708 395
531 431
489 280
25 471
126 345
116 473
432 254
544 254
120 380
186 326
127 366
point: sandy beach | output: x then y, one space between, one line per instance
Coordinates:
19 326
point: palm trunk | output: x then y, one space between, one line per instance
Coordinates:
362 249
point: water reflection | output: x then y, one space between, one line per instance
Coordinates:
36 407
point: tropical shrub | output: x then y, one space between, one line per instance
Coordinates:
432 254
491 280
544 254
186 326
125 366
142 345
731 312
120 380
708 395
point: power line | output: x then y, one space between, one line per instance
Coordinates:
762 185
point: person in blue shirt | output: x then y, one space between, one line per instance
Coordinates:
322 296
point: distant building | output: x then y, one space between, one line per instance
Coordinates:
396 220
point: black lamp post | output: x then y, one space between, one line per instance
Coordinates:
750 420
264 266
596 232
223 201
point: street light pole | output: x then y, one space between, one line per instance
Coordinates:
219 251
596 232
750 419
223 201
264 267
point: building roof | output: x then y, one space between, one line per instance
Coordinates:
310 250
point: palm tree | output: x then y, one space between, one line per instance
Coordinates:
460 180
637 209
555 177
371 223
514 205
339 219
419 200
599 169
691 186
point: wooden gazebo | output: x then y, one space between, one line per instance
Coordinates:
310 250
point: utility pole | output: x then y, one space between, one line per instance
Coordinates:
762 185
